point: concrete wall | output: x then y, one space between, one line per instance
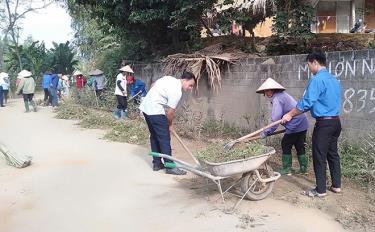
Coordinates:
238 103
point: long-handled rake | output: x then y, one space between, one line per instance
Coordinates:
229 145
14 160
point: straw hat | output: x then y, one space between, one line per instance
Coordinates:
126 68
77 73
269 84
24 73
4 75
96 72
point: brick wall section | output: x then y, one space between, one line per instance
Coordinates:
237 102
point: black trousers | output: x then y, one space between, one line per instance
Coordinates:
47 96
160 138
324 148
122 102
1 96
298 140
6 95
28 97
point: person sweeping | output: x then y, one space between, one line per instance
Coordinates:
159 107
296 129
27 86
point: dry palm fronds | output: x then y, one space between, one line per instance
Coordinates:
201 64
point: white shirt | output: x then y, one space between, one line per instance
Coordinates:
118 91
165 92
2 81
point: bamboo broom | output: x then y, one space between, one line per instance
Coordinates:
14 160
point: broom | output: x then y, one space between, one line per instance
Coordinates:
14 160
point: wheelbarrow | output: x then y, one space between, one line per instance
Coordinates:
255 178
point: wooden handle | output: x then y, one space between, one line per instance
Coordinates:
258 136
259 131
184 146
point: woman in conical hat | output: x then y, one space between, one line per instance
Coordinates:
121 93
27 88
296 129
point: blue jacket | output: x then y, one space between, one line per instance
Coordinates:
137 86
322 95
54 81
46 81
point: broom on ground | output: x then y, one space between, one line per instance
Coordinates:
13 159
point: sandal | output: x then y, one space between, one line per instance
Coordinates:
313 193
334 190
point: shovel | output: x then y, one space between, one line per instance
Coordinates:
184 146
229 145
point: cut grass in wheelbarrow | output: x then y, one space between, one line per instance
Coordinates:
215 153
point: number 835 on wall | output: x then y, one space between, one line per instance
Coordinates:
358 100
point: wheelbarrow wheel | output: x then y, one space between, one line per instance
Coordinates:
258 190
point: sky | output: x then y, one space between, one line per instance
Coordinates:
49 24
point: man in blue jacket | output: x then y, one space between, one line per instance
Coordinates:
53 89
322 98
137 88
46 84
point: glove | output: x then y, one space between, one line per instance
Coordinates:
263 135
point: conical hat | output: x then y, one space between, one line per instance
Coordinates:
77 73
269 84
126 68
96 72
4 75
24 73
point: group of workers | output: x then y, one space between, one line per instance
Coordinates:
322 97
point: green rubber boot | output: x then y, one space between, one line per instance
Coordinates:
287 165
34 105
303 161
27 106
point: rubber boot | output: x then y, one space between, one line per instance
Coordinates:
34 105
116 113
123 114
303 161
287 165
27 106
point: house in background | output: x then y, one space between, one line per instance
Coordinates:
339 16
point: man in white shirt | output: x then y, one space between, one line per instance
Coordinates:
159 107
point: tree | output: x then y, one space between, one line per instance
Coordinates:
33 54
148 25
63 58
11 13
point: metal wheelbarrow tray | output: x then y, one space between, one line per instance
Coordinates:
256 182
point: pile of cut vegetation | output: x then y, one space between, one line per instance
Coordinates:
70 110
98 120
129 131
132 130
215 153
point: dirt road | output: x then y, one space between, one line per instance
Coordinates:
79 182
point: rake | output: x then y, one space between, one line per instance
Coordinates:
229 145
